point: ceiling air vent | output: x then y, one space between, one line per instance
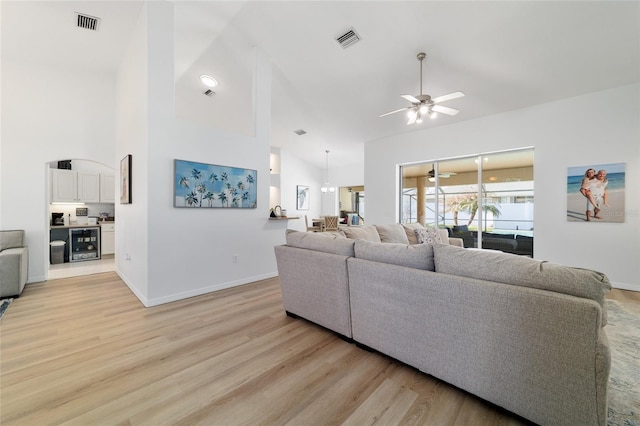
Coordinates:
299 132
87 22
209 92
349 38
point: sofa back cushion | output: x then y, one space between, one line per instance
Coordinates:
522 271
417 256
369 233
410 231
392 234
11 239
320 241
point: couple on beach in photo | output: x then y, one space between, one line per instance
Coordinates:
601 187
594 188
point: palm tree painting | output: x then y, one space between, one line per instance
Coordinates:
200 185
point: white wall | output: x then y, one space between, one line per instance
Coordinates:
47 116
341 176
186 252
351 175
131 128
594 128
294 172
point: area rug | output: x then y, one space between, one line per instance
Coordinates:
4 304
623 331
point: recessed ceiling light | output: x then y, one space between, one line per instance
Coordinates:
208 81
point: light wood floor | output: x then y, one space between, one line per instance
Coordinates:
84 351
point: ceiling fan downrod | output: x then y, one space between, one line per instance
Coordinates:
421 57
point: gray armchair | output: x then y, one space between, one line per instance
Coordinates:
14 263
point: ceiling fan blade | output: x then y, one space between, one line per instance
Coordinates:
454 95
411 99
445 110
393 112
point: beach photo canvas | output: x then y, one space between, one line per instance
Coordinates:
199 185
595 193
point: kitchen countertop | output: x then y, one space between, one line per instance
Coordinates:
108 222
73 226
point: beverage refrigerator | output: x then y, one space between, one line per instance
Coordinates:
85 244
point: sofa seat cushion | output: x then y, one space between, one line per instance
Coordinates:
392 234
417 256
320 241
369 233
522 271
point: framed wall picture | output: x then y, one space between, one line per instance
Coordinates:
125 180
595 193
303 197
200 185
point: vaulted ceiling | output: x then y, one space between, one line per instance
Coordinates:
502 55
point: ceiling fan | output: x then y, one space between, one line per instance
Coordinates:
424 105
432 174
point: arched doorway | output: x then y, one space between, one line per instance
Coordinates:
80 214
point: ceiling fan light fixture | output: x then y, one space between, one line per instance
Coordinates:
424 109
412 113
433 114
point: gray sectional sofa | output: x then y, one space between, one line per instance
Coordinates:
14 263
524 334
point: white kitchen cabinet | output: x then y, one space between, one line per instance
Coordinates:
108 237
69 186
107 189
64 186
88 187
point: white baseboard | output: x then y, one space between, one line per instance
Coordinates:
191 293
133 289
626 286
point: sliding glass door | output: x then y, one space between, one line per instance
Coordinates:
475 197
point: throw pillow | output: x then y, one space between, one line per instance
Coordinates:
409 229
411 256
317 241
392 234
428 236
369 233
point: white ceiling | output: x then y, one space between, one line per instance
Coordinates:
502 55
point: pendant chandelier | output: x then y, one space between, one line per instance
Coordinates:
327 187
